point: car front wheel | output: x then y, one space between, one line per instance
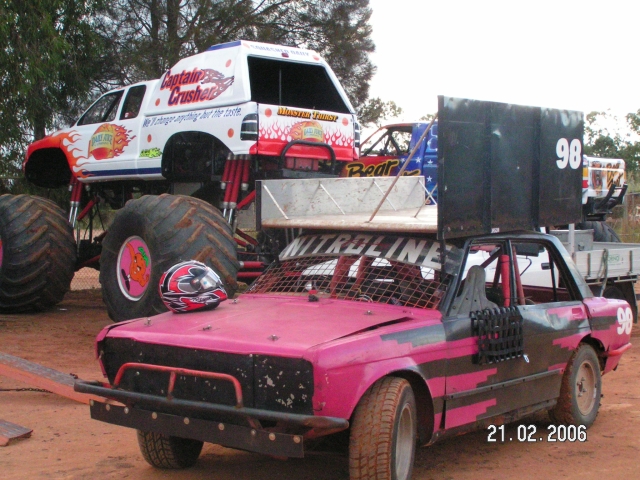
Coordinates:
383 433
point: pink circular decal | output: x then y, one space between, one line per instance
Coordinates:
134 268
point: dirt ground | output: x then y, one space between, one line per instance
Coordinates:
67 444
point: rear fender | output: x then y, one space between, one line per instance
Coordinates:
611 324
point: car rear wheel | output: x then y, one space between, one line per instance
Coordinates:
150 235
579 398
162 451
383 433
37 253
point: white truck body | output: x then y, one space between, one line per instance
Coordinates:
253 98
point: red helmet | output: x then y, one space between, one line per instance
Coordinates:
190 286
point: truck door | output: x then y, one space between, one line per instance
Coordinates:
107 141
511 330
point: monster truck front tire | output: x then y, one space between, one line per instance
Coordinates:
151 234
37 253
162 451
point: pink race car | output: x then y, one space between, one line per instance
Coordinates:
392 338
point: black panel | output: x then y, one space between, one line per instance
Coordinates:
514 141
463 148
560 188
288 388
498 167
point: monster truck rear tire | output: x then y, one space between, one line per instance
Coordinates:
162 451
383 434
37 253
151 234
602 232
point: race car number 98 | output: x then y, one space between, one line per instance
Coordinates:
529 434
569 153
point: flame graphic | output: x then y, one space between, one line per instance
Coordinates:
67 141
286 133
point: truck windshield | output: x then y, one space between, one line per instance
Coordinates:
394 270
292 84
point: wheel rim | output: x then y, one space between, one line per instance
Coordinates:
585 388
1 252
134 268
404 443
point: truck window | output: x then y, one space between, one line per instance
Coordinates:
542 281
388 142
104 110
293 85
132 102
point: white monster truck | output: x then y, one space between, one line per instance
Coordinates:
170 152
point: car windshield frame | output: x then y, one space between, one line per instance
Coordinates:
388 269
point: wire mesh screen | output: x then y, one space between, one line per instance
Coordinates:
355 277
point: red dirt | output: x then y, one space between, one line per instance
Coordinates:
67 444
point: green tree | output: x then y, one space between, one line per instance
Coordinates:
375 111
48 64
151 35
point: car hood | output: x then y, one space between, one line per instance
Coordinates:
260 324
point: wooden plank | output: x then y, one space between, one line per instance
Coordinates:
9 431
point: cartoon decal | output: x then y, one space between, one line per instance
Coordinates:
134 265
307 131
109 141
216 83
151 153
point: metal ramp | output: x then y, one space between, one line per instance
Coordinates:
42 377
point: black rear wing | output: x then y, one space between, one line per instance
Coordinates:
501 168
504 167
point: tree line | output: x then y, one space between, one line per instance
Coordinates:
58 55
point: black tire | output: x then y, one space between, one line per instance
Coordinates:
383 433
162 451
602 232
38 253
612 291
581 388
174 228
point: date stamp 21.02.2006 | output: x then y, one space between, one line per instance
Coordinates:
530 434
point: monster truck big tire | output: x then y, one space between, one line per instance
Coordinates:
37 253
151 234
602 232
382 441
162 451
579 398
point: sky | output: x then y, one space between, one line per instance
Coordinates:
576 55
